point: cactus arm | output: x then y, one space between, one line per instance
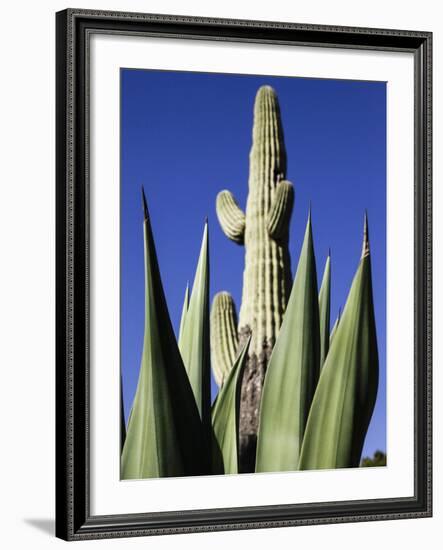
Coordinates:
280 212
231 217
224 337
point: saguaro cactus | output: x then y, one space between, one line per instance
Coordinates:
264 231
224 337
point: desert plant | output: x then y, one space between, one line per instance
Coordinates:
320 386
324 304
225 419
292 372
183 316
194 338
329 432
122 417
345 396
224 337
334 328
165 435
264 231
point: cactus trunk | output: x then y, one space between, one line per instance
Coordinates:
267 275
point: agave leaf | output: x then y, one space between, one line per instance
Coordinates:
334 328
183 316
194 343
225 418
324 303
164 435
122 417
292 372
346 392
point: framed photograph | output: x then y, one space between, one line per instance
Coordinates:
243 274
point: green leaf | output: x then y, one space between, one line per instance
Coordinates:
194 343
164 434
122 417
183 316
324 303
346 392
225 418
334 328
292 372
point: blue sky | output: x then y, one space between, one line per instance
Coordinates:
186 136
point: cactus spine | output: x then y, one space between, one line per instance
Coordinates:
264 231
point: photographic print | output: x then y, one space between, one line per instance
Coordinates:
244 269
253 274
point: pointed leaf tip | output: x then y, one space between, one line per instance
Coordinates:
183 316
145 205
324 304
292 371
164 428
346 393
365 248
194 340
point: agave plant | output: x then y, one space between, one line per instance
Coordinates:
225 419
345 396
166 433
293 394
326 428
292 372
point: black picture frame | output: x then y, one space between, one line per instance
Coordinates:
73 518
